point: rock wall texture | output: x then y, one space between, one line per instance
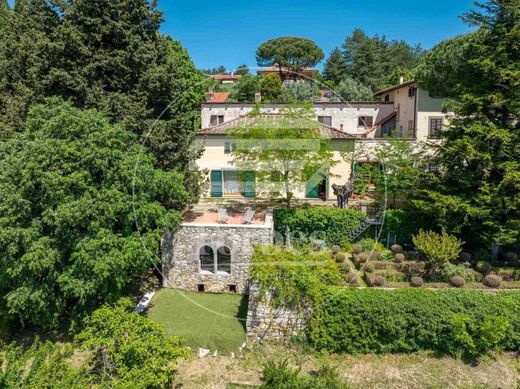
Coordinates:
265 323
180 255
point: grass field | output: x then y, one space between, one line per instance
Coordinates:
394 371
209 320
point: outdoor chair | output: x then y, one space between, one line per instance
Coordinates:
223 216
248 216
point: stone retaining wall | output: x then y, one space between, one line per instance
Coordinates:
270 324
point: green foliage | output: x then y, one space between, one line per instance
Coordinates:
271 88
82 209
245 88
286 151
129 350
448 271
299 91
404 223
438 248
329 224
278 375
294 277
289 52
104 55
370 60
475 191
242 70
335 68
349 89
118 348
473 338
409 320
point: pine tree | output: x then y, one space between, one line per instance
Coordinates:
335 68
476 192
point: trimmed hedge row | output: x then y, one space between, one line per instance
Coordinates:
329 224
457 322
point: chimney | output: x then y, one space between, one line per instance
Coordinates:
258 97
401 78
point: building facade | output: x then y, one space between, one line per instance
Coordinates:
405 111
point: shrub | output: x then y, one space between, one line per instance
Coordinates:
369 267
278 375
411 319
492 280
397 249
511 257
335 249
438 248
405 223
346 246
386 255
447 271
457 281
363 257
352 278
416 282
374 280
474 338
345 267
465 257
299 275
340 257
374 255
331 224
399 258
357 249
483 267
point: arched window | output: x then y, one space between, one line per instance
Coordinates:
207 259
224 259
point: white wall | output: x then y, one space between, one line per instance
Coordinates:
342 113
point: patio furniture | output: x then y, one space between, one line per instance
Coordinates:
223 216
248 216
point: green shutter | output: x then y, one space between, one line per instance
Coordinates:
249 184
216 183
311 188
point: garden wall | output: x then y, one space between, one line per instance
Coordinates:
270 324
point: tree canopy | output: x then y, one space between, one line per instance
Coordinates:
289 52
476 191
335 68
104 55
82 208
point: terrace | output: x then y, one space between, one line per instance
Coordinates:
236 214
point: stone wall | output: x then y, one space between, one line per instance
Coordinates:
180 255
270 324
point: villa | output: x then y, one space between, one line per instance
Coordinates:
405 111
213 247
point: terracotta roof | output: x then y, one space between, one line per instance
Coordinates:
224 77
217 97
380 123
220 129
392 88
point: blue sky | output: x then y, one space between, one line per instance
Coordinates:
228 32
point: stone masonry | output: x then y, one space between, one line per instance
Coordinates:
180 255
266 323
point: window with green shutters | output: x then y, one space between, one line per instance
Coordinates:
249 184
216 183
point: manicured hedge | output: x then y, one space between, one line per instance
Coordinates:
404 223
330 224
407 320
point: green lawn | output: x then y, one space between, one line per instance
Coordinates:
208 320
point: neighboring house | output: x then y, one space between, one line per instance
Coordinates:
285 73
224 78
217 97
406 112
416 111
